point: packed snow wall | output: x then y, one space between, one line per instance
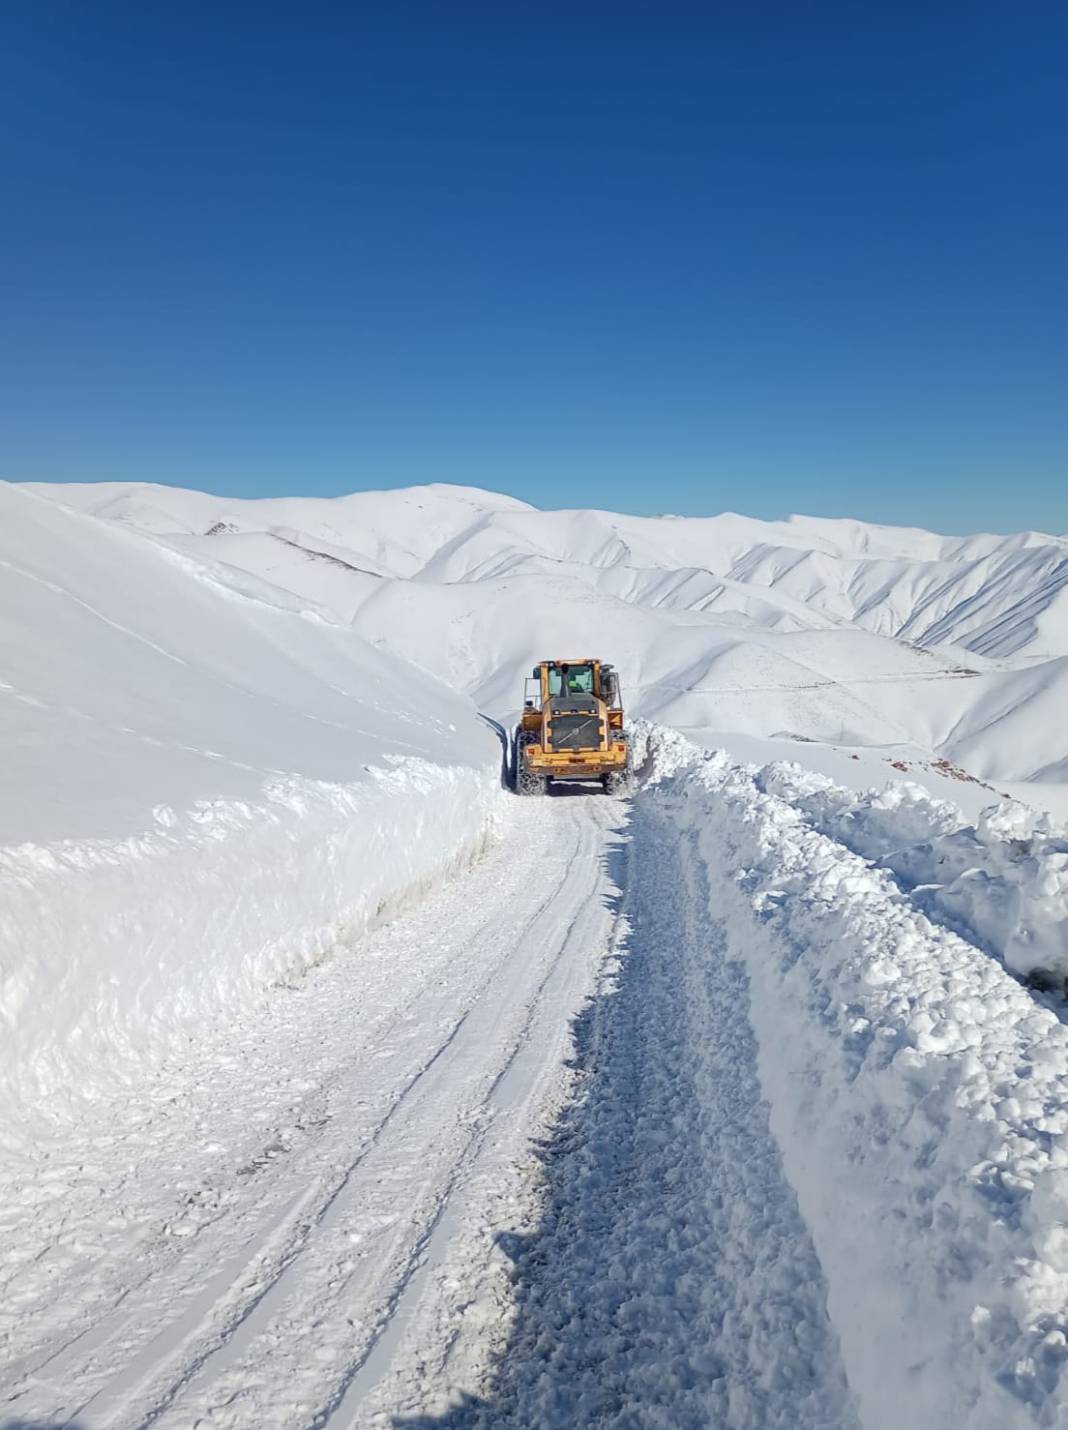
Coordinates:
918 1091
205 790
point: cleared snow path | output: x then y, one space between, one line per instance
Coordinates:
334 1219
242 1252
670 1281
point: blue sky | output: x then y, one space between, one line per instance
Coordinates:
768 258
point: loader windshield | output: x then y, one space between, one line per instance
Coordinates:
571 680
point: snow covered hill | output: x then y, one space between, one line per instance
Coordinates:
858 636
995 596
172 747
290 990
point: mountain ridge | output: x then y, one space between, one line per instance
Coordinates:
830 629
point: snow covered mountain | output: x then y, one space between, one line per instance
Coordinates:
339 1087
992 595
836 631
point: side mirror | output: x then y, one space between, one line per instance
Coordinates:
535 673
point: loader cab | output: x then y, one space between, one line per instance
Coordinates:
589 680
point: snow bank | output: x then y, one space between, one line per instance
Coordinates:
919 1094
205 788
124 949
1002 882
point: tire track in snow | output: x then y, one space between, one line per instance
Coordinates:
226 1364
559 994
671 1281
297 1266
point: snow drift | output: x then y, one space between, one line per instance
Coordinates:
919 1094
1002 881
205 788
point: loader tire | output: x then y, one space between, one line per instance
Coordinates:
531 784
619 782
525 782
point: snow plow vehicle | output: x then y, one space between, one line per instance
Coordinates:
571 728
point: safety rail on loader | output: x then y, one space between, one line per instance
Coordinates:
571 728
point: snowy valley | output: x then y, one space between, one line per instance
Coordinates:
340 1086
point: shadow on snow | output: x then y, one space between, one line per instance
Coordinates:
669 1281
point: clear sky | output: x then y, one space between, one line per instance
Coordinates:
766 257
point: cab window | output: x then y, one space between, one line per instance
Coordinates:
578 680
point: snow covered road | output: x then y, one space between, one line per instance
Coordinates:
667 1112
335 1216
302 1212
670 1281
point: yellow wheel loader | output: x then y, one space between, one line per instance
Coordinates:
571 728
